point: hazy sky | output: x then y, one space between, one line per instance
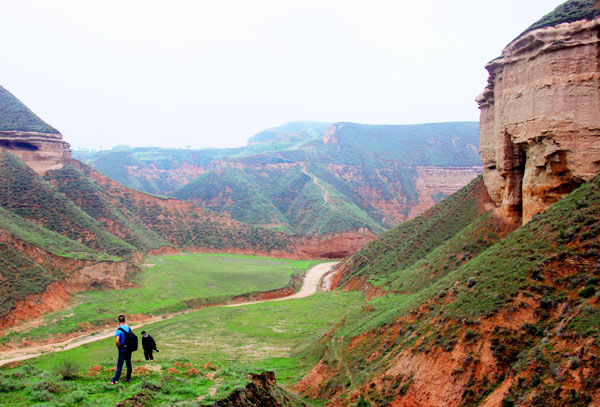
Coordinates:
213 73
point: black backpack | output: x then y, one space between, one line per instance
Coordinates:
131 341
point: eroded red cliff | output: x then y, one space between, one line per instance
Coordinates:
540 117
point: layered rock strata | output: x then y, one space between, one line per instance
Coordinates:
41 151
540 118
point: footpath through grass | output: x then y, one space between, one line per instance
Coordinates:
234 341
165 284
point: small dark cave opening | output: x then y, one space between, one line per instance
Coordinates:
18 145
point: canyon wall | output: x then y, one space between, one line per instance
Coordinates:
41 151
540 118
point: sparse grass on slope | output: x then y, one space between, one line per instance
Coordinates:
532 296
14 115
94 201
568 12
380 260
45 239
29 196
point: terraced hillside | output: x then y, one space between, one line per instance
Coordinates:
311 178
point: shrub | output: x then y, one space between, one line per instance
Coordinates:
77 397
588 291
67 369
362 402
7 385
40 395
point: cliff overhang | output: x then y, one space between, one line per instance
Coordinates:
41 151
540 118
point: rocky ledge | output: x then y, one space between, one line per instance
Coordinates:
41 151
540 121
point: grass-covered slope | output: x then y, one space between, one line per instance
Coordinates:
186 225
15 116
568 12
32 257
45 239
413 240
513 318
285 196
26 194
304 177
95 202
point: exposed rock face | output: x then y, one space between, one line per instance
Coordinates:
81 275
540 117
262 391
334 245
41 151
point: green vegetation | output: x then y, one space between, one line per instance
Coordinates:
15 116
290 178
568 12
171 284
209 351
447 276
385 261
92 199
46 239
29 196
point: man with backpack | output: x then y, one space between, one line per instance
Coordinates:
126 343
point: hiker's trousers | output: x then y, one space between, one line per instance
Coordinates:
123 357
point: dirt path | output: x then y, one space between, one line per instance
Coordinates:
309 287
316 181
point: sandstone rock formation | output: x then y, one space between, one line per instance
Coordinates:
540 117
41 151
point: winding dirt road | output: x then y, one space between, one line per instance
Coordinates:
312 279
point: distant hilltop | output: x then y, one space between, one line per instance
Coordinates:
27 136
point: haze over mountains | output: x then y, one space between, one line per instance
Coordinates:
310 178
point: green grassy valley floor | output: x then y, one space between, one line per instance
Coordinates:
168 284
203 355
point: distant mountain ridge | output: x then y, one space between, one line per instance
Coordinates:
311 178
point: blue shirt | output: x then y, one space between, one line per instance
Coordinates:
121 336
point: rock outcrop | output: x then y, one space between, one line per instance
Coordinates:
262 391
27 136
41 151
540 117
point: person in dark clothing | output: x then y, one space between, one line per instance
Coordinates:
149 345
124 355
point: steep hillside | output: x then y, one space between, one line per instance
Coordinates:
26 194
184 224
460 310
15 116
499 322
92 199
311 178
351 176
